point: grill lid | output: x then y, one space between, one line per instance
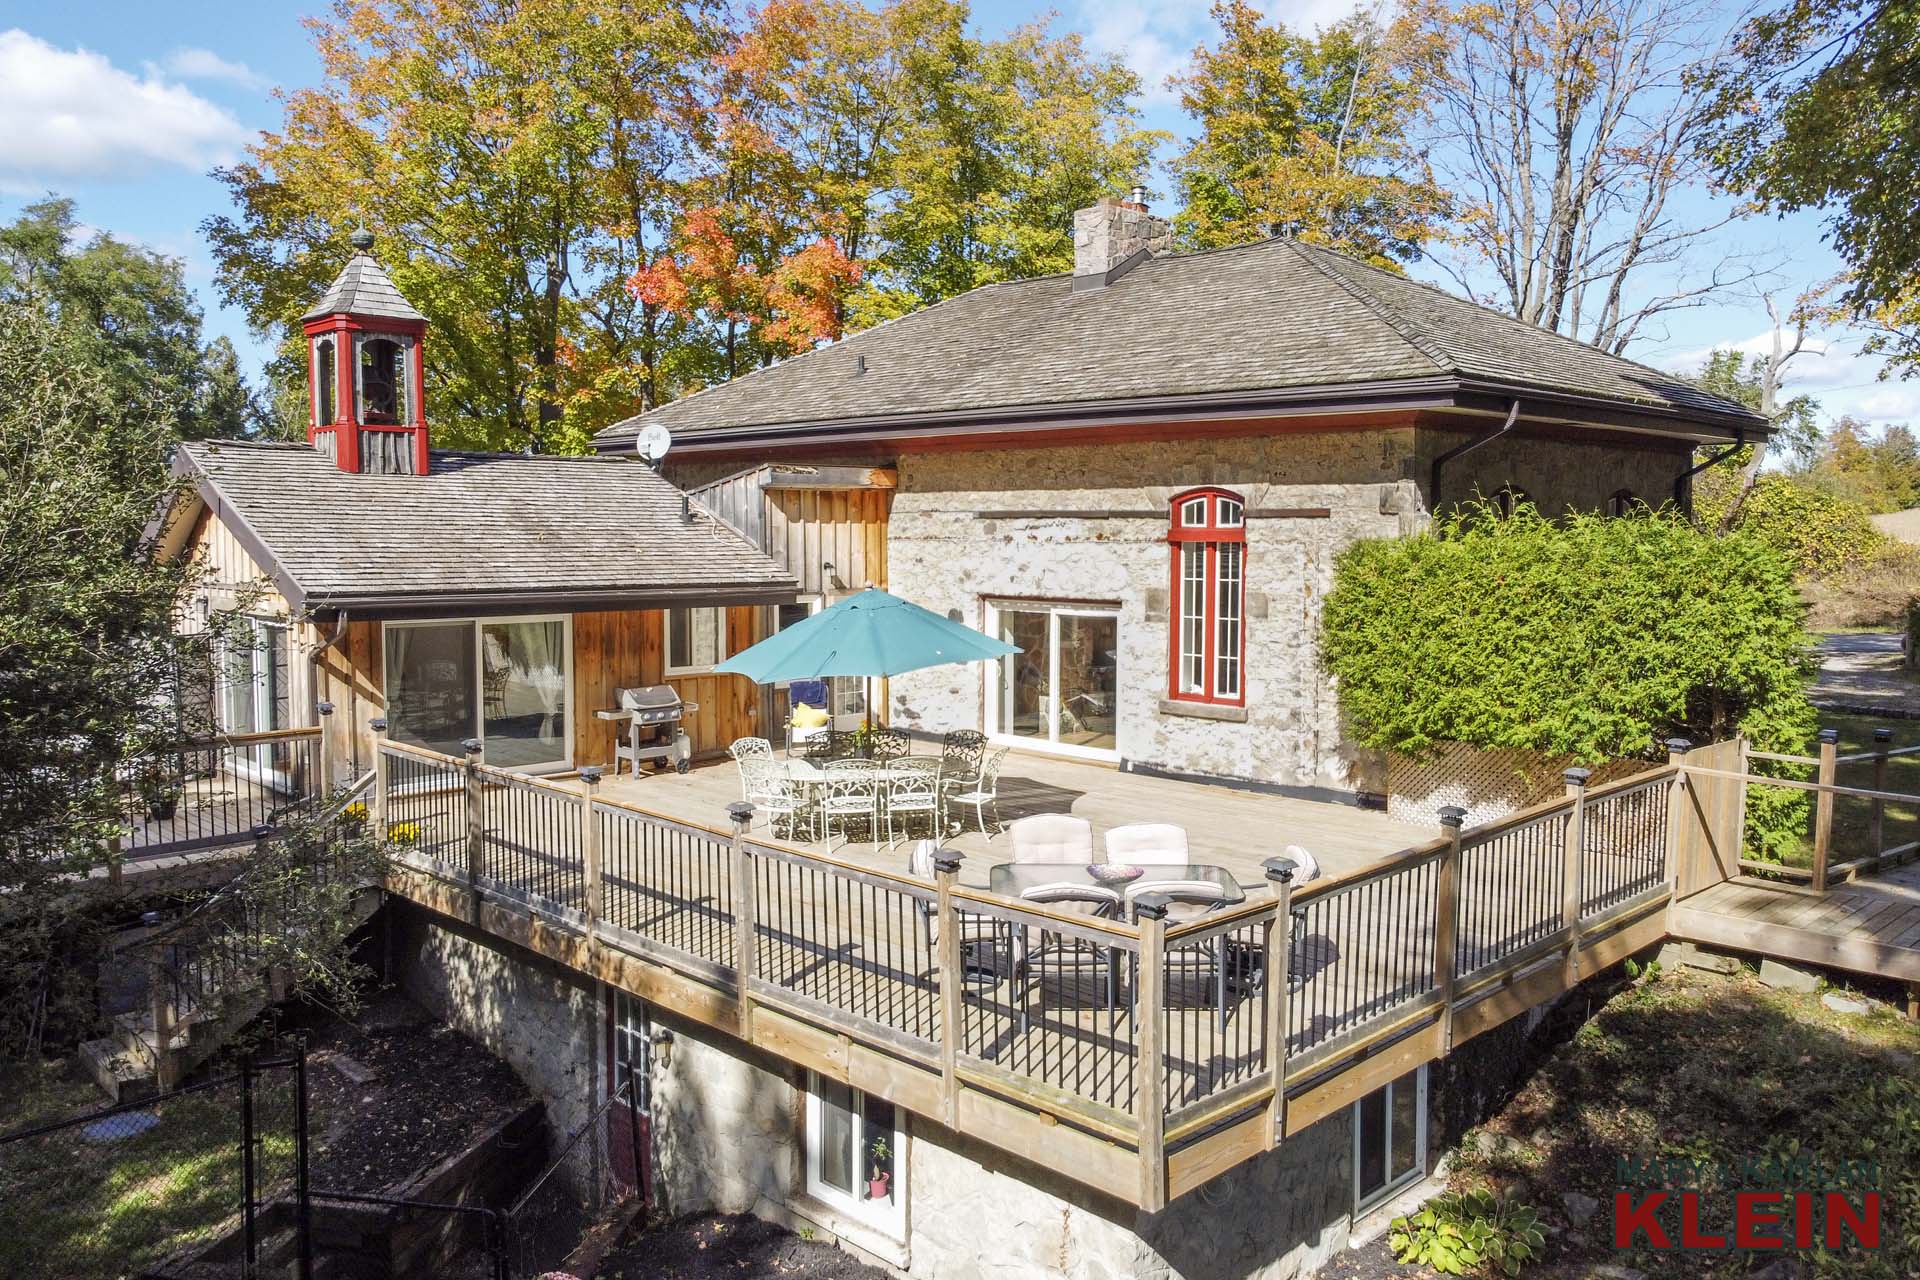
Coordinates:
649 697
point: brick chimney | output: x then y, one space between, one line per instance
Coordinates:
1114 236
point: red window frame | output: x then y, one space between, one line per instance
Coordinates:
1215 527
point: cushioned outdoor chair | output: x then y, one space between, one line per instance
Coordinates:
1148 844
1052 837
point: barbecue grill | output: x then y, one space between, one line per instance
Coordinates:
652 713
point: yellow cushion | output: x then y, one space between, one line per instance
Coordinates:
806 717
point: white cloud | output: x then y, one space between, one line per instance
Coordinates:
205 64
1156 37
70 113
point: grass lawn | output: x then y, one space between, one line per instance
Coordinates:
1684 1065
106 1200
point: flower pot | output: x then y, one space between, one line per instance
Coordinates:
162 809
877 1186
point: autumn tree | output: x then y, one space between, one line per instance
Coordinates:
868 161
516 162
1570 133
1307 135
1821 110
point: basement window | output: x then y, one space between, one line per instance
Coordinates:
1389 1139
855 1161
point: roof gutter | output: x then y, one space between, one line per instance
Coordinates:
1683 483
1461 450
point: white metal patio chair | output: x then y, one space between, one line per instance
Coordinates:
980 788
912 788
772 791
849 790
1052 837
743 750
1148 844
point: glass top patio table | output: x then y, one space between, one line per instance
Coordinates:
1011 879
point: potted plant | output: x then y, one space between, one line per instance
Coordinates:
882 1169
403 833
159 791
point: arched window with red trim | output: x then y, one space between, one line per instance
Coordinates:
1208 651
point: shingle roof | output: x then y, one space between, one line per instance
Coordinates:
477 525
1275 315
363 288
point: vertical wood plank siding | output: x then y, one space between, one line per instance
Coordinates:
805 529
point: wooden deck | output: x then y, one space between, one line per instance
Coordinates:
1868 926
1226 826
1148 1055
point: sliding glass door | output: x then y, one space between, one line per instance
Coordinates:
1061 688
505 682
255 698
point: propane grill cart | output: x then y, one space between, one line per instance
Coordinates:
652 714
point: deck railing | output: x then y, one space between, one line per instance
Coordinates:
215 791
1150 1033
1864 824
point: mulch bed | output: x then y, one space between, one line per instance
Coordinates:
707 1245
434 1091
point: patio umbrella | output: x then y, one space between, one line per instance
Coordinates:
871 634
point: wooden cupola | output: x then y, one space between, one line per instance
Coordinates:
364 363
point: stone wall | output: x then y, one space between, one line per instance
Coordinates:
1098 535
1275 1217
726 1125
1089 523
1557 474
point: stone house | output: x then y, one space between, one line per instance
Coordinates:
1142 473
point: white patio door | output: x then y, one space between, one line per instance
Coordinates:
1061 690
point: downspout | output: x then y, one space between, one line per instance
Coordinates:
314 660
1683 483
1461 450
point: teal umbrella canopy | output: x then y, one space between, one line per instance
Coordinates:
871 634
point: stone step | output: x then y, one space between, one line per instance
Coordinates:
122 1076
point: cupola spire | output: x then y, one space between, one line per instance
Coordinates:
368 387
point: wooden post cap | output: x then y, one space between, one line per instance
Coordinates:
1829 735
947 860
262 833
1453 817
1280 869
1152 906
1883 735
591 773
1679 746
1576 777
740 812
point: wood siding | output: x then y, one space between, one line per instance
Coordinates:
806 521
612 650
231 577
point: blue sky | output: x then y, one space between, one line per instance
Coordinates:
125 106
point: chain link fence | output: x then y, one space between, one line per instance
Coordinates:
171 1188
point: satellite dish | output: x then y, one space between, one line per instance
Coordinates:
652 443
